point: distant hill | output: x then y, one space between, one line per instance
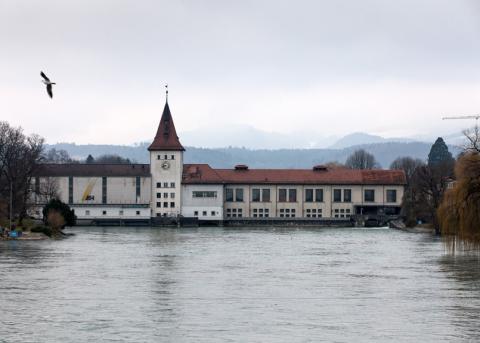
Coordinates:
385 153
360 138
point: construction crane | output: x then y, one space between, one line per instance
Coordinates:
476 117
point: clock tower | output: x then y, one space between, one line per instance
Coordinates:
166 168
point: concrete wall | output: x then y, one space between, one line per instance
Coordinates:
206 208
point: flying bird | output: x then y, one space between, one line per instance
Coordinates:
47 82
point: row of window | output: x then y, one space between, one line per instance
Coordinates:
204 194
204 213
165 204
165 157
104 212
166 185
311 195
234 213
165 195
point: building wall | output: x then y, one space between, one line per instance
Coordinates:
301 208
206 208
161 174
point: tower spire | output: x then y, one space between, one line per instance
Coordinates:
166 91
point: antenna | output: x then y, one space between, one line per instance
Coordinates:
166 90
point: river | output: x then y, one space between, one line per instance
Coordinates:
237 285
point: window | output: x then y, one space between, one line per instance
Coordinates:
309 195
173 157
158 157
204 213
292 195
87 212
229 194
172 184
165 157
195 213
391 195
255 194
165 204
282 195
212 213
159 204
137 186
165 185
104 190
172 195
369 195
266 195
104 212
172 204
120 213
239 194
337 195
138 213
347 195
159 185
159 195
319 195
70 190
204 194
255 210
165 195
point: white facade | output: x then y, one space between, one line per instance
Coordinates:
203 201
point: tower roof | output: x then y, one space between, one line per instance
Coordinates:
166 137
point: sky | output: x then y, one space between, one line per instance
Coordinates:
292 68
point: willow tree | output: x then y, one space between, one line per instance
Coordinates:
459 212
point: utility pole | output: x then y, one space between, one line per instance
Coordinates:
11 203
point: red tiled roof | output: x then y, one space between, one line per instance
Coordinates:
334 176
87 169
166 137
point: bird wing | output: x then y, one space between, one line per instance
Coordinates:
44 76
49 90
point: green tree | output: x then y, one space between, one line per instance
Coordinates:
57 215
90 159
439 153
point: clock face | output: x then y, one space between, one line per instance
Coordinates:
165 165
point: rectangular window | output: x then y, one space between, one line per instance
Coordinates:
159 204
195 213
165 185
292 195
173 157
309 195
266 195
204 194
172 204
159 195
165 204
337 195
70 189
137 186
172 195
158 157
87 212
255 194
104 213
204 213
229 194
104 190
159 185
282 195
319 195
212 213
138 213
239 194
165 195
369 195
391 195
172 184
120 213
347 195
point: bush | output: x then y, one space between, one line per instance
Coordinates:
58 214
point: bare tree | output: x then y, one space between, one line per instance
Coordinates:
361 159
473 139
408 165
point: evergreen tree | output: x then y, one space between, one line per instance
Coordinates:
90 159
439 153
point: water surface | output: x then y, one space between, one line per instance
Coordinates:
242 285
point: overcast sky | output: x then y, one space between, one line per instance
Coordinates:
392 68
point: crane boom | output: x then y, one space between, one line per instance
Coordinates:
476 117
